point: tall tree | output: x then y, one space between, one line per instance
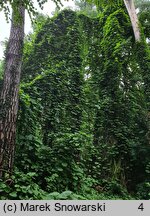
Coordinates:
11 80
9 92
133 17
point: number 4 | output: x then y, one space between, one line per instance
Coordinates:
141 207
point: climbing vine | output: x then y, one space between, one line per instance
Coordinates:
83 122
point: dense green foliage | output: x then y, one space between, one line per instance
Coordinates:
83 124
144 15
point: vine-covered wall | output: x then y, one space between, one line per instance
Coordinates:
83 104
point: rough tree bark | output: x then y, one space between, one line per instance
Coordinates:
9 93
133 17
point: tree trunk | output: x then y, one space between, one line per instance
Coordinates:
9 93
133 17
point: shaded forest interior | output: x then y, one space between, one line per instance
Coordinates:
83 124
